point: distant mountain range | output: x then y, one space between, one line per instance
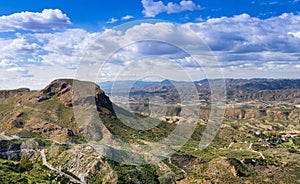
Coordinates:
252 84
271 90
108 85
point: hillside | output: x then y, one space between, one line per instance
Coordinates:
43 141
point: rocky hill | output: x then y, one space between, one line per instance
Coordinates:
42 141
47 112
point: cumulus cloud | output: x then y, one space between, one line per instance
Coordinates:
48 19
153 8
64 48
14 51
245 46
22 46
244 34
38 58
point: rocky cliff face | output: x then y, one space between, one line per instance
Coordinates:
63 90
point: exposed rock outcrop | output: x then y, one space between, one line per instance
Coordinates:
88 93
16 92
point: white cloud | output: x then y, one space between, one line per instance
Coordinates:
251 46
127 17
295 34
48 19
244 34
245 46
17 50
152 8
22 46
5 63
22 58
17 69
112 20
65 48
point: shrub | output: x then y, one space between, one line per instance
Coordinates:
25 165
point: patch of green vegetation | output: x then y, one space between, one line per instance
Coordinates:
240 155
77 139
135 174
18 123
297 172
259 147
43 143
297 142
270 160
20 172
70 174
95 178
25 165
242 170
179 174
255 161
63 180
52 111
28 134
63 148
118 129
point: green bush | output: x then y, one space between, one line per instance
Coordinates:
242 170
25 165
18 123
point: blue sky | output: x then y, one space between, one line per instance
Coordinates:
92 14
44 40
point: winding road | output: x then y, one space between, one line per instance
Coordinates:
45 163
250 149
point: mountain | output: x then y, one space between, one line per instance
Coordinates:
72 132
47 112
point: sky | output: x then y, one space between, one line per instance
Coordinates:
44 40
